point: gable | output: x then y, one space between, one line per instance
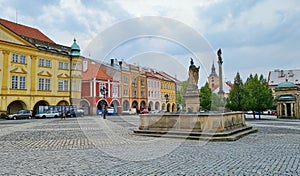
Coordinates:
18 70
45 74
9 36
63 76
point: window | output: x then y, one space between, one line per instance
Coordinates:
142 82
79 66
41 62
61 65
48 63
41 83
73 85
74 66
142 93
134 81
60 85
115 91
15 57
66 65
22 82
125 92
47 84
79 85
44 84
66 85
23 59
134 93
102 89
125 79
14 82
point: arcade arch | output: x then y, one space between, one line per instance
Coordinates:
15 106
85 105
36 106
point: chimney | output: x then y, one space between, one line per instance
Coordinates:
112 62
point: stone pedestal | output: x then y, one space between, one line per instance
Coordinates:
192 99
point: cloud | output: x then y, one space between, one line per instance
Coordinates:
255 35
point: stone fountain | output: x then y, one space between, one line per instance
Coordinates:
212 126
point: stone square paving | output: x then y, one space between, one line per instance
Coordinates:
93 146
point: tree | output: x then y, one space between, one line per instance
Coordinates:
258 94
236 97
216 102
206 95
180 94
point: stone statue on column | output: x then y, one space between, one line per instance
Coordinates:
193 73
220 62
192 97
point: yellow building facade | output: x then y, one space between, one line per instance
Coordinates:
34 72
168 95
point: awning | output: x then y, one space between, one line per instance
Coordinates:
286 98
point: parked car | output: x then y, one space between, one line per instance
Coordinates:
154 111
111 111
130 111
144 111
270 112
75 113
22 114
48 114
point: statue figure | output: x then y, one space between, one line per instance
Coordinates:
219 53
193 73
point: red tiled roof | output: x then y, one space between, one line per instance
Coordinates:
25 31
94 71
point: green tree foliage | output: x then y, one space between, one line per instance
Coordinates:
254 95
180 94
209 101
216 102
236 97
206 95
258 95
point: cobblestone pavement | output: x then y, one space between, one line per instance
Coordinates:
93 146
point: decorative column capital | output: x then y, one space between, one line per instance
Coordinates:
5 52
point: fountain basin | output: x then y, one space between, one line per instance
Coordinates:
207 126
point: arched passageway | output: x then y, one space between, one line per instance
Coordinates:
15 106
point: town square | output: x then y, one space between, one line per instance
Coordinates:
70 147
149 87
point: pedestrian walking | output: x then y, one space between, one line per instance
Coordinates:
104 112
63 116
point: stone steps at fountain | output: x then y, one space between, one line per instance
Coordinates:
229 135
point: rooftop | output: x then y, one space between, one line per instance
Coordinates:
280 76
26 31
94 70
286 85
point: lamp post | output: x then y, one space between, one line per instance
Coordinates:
103 91
167 100
70 85
121 86
75 53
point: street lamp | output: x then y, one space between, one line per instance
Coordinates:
167 98
103 91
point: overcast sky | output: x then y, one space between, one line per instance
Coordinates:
256 36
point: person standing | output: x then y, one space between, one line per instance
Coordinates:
104 112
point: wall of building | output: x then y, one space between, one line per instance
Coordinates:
30 70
